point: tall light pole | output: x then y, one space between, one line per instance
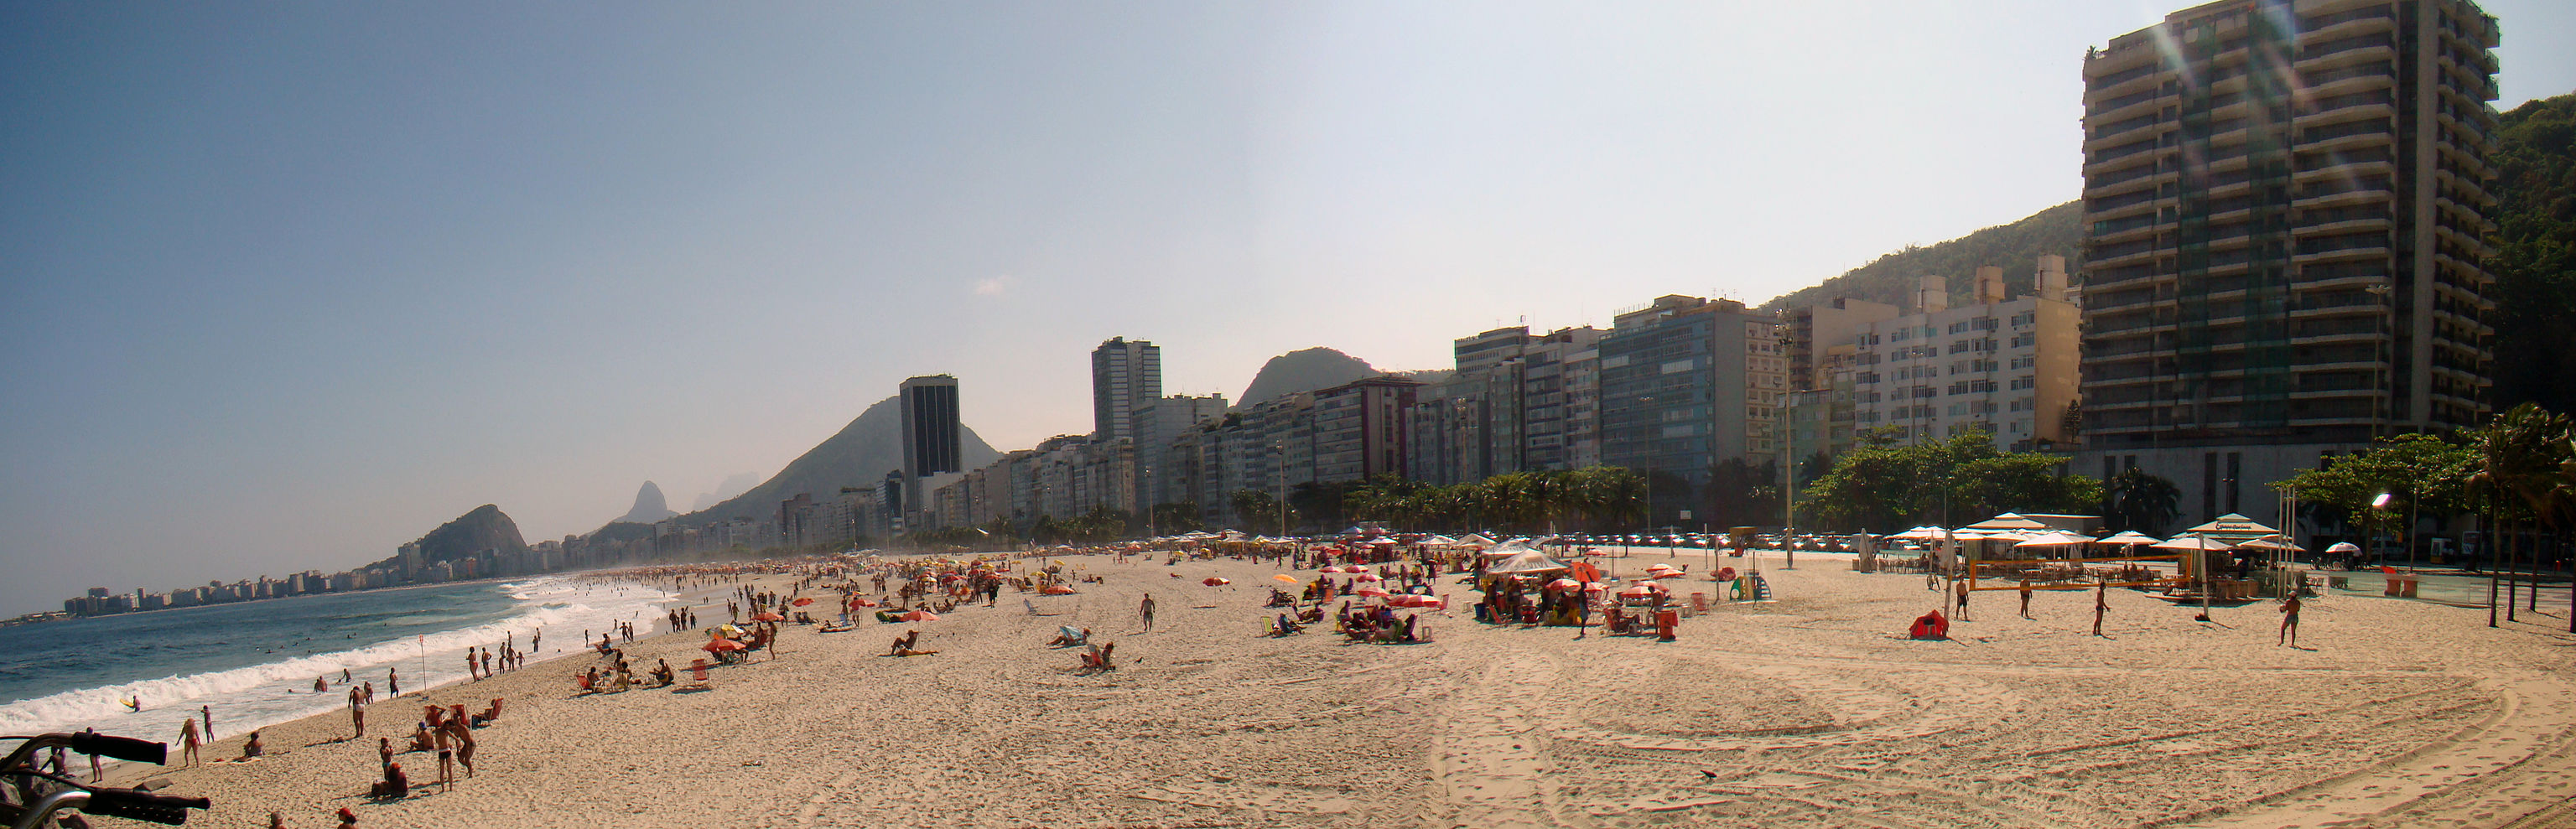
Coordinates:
1281 452
1788 467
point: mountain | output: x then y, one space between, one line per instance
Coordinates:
735 484
485 528
859 455
2014 247
2535 261
648 506
1304 370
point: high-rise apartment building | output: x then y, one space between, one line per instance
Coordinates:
931 433
1687 383
2285 203
1125 377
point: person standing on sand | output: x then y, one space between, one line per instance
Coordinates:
188 742
2025 597
470 673
209 711
2101 603
1963 600
2289 621
487 663
1147 610
393 683
358 717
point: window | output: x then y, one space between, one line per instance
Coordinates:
1959 327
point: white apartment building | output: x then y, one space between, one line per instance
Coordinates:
2008 365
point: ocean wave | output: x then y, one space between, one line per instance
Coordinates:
230 688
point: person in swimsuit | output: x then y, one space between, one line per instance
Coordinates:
2289 621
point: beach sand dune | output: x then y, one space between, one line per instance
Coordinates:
1808 711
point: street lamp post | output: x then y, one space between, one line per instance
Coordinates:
1281 451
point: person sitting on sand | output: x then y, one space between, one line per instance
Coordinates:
662 677
420 739
1285 627
1097 659
253 748
904 643
394 786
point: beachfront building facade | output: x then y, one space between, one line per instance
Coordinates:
1515 402
2285 204
2007 366
931 435
1687 383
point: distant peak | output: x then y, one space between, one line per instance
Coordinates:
649 506
1304 370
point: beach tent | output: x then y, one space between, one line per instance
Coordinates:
2007 521
1926 532
1510 548
1437 541
1526 562
2233 527
1477 539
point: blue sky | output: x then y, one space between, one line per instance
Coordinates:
284 285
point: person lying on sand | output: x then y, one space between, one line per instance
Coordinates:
1068 636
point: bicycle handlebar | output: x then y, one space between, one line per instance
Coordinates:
127 803
122 748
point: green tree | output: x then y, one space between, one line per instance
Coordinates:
1258 510
1884 486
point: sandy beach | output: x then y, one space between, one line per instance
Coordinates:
1811 710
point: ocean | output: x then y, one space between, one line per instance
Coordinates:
255 662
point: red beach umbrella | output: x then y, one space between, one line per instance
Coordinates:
767 616
802 602
1371 590
721 645
1213 581
1366 577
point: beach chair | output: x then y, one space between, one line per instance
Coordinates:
697 679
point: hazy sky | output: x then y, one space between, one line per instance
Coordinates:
285 285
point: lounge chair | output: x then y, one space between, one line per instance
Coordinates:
697 679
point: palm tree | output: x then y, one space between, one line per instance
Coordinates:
2521 455
2142 501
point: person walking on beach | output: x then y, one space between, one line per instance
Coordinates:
537 640
188 742
1963 600
357 716
1147 610
2289 621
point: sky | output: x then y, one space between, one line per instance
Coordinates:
284 285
